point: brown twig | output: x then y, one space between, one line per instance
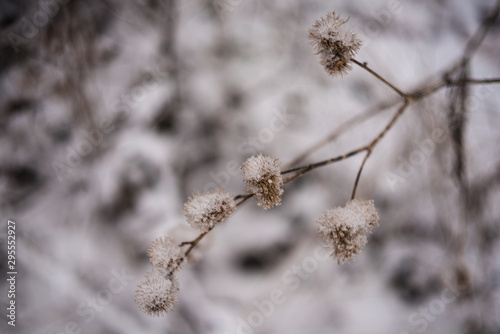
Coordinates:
368 153
307 168
477 39
244 198
425 89
192 244
341 129
300 171
375 74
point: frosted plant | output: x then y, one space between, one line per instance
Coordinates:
157 295
334 43
204 211
166 256
263 178
343 229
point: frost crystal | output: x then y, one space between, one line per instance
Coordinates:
205 211
157 295
343 229
263 178
165 255
334 43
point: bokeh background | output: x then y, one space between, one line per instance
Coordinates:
113 112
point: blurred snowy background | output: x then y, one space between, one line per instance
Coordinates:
113 112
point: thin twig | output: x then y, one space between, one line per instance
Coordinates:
368 153
244 198
375 74
409 98
192 244
390 124
307 168
475 42
324 162
370 147
475 81
421 92
341 129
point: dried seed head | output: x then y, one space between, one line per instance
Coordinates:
166 256
263 178
334 43
205 211
367 211
343 229
157 295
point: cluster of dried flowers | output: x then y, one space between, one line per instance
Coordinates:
158 293
343 229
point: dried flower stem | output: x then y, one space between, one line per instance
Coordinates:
368 148
193 243
475 81
390 124
375 74
375 142
368 153
304 169
422 91
243 198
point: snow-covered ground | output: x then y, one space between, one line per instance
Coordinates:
114 112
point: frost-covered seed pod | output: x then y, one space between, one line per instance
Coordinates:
262 177
204 211
343 229
157 295
334 43
166 256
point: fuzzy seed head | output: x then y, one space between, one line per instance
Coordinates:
343 229
334 43
166 256
157 295
263 178
204 211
